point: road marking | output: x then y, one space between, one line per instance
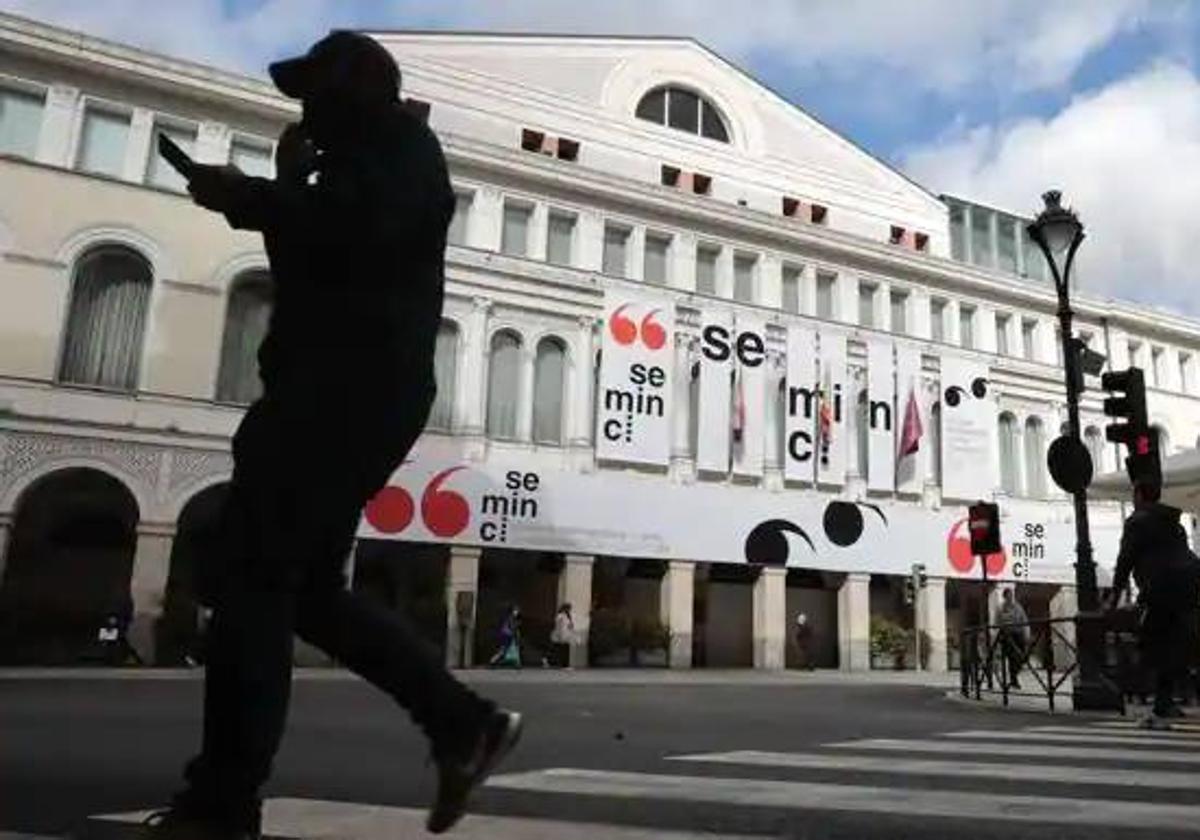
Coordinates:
801 796
1131 733
1165 779
309 819
1036 751
1182 727
1129 738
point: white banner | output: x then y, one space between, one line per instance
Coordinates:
800 405
633 417
968 429
716 402
881 416
912 420
749 364
442 496
831 412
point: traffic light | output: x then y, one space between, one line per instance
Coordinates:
910 592
920 578
1131 407
983 523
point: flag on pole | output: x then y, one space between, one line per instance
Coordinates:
825 417
911 431
739 406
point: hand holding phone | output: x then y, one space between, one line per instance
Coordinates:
180 161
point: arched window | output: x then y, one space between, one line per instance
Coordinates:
1093 439
110 295
504 385
1035 449
549 386
246 318
1010 443
445 371
683 110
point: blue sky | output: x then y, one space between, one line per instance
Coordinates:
993 99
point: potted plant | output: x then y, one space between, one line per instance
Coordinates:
890 644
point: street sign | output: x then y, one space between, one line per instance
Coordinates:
1070 464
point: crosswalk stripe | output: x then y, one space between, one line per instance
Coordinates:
1037 751
310 819
905 802
1131 738
1165 779
1131 732
1191 727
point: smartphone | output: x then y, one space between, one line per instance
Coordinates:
180 161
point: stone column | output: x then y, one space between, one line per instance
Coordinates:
137 148
575 588
148 586
770 618
582 386
675 596
770 281
808 289
683 262
680 404
59 122
931 617
462 578
846 297
919 323
6 525
472 395
1064 604
525 395
854 622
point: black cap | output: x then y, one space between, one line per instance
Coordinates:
342 61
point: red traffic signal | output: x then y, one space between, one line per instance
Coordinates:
983 523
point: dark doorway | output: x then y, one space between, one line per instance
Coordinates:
197 543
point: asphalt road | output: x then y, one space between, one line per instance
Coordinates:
70 748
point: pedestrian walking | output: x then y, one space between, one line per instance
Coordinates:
355 229
1155 553
803 637
508 651
563 637
1013 635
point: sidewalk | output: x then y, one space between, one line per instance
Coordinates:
543 676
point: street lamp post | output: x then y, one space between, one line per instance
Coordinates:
1058 233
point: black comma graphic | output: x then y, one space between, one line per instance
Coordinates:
954 393
767 544
843 521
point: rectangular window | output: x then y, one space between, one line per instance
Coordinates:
1035 261
826 285
514 238
981 236
461 220
658 249
866 304
1157 367
252 158
616 250
560 239
937 319
159 173
958 233
20 122
966 326
1185 373
102 142
706 269
744 269
1006 244
791 289
899 302
1028 338
1135 354
1002 322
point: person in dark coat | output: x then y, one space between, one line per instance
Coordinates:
1154 552
355 228
1013 635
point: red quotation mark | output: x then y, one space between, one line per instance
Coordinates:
444 512
625 331
958 552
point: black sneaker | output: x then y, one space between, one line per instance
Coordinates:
457 779
173 824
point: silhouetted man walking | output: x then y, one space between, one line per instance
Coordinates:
355 228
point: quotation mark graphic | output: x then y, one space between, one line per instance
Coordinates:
954 393
444 512
958 551
625 331
767 544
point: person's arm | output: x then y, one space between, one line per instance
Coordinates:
1125 561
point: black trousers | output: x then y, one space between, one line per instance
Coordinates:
1167 638
1013 646
302 474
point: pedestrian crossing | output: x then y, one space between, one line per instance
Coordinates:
1090 778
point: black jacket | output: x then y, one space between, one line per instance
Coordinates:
357 259
1154 550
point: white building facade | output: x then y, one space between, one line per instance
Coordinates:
705 364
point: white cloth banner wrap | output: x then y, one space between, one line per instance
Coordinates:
633 417
881 416
442 496
748 362
716 403
832 407
800 405
910 475
968 429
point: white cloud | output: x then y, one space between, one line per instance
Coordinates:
1127 159
940 45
